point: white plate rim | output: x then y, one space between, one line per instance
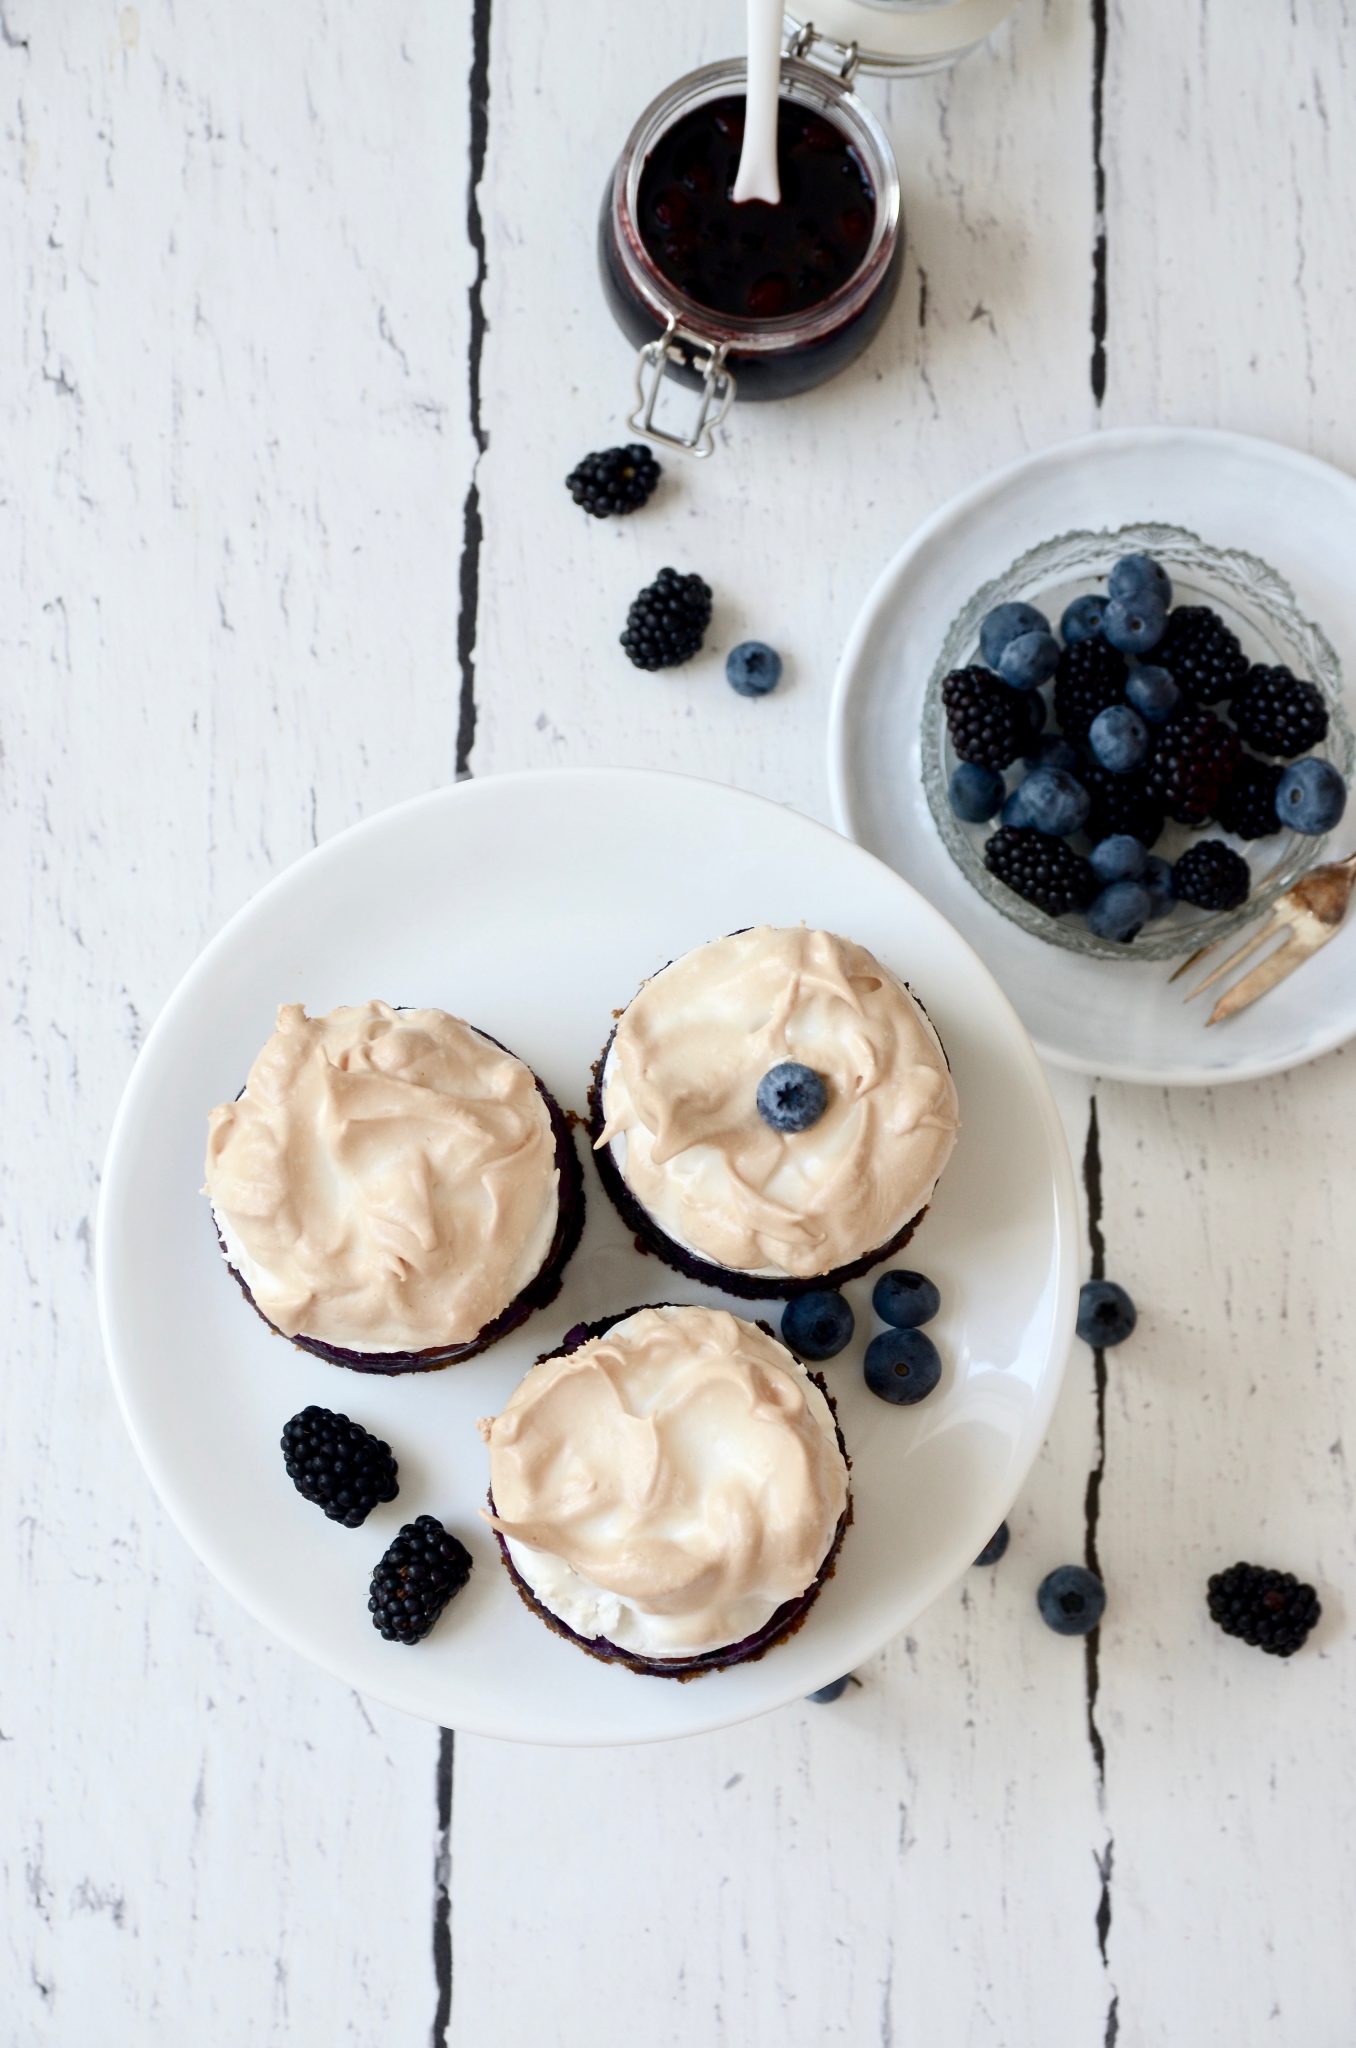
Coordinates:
1066 1253
881 594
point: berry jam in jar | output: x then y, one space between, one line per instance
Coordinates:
772 300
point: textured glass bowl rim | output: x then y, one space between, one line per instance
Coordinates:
808 86
1245 582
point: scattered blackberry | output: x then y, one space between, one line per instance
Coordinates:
615 480
338 1465
422 1569
1193 763
986 720
1120 803
1202 656
1278 714
1271 1610
1212 876
1248 806
1043 870
1090 678
667 621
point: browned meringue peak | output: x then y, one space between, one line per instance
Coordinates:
388 1179
680 1109
670 1484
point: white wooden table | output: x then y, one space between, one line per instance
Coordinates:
299 333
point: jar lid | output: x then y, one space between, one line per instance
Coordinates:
893 35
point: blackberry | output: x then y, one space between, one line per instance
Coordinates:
1090 678
1043 870
1248 806
1193 763
1120 803
614 480
667 621
1271 1610
338 1464
1202 656
422 1570
1212 876
987 721
1278 714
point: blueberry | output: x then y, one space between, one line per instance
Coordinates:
1015 811
1082 619
1138 576
1119 858
902 1366
1005 622
1159 886
1053 751
1153 693
834 1690
1106 1314
753 668
905 1299
1053 801
1071 1599
791 1097
817 1325
1121 910
1118 739
996 1545
1029 660
1310 796
975 792
1135 625
1037 711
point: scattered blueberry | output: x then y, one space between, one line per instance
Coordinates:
1138 576
834 1690
1014 808
1118 739
1310 796
1005 622
1053 751
905 1299
1037 711
1135 625
1153 693
1158 884
753 668
996 1545
1082 619
791 1097
902 1366
975 793
1029 660
1072 1600
1106 1314
1118 858
817 1325
1053 801
1121 910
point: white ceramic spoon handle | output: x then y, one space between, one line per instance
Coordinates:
757 178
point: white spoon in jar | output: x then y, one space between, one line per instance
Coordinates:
757 176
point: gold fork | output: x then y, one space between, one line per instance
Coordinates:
1309 914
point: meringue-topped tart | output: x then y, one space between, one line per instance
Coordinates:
392 1188
669 1489
773 1110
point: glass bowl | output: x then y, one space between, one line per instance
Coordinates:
1262 610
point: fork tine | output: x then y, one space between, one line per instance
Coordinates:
1191 960
1286 958
1236 959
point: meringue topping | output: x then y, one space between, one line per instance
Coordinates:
387 1181
680 1109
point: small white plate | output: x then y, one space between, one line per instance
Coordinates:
1117 1018
534 905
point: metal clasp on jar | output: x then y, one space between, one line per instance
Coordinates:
706 359
840 60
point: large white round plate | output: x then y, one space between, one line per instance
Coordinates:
1117 1018
534 904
